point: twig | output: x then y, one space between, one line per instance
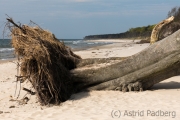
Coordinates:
19 91
29 91
16 88
11 21
36 24
17 79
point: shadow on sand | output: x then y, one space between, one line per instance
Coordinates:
79 95
166 85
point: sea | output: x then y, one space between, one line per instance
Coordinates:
7 52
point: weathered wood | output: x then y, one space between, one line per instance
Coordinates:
85 62
144 69
54 76
158 28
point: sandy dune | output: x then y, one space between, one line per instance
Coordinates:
162 102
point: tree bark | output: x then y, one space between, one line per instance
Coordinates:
51 66
138 72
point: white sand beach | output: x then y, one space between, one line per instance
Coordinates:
162 102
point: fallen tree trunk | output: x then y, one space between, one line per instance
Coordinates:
146 68
56 72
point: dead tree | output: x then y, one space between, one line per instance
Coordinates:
140 71
56 72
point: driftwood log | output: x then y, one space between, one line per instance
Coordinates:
138 72
155 35
56 72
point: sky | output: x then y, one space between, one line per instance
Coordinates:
74 19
